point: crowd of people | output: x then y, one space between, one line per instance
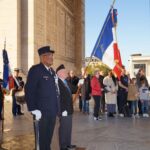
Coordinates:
126 97
50 94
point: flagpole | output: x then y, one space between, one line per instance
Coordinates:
77 93
4 92
113 3
3 98
5 43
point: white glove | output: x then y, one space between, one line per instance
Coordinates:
65 113
37 114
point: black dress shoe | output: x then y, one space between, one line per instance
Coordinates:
1 118
20 113
64 149
71 146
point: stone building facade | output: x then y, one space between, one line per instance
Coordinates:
138 61
30 24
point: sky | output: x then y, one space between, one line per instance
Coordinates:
133 27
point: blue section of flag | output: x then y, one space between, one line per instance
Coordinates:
105 38
6 69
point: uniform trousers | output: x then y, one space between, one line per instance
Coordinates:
65 131
16 109
97 99
122 100
46 129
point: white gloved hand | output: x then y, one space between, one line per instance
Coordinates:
64 113
37 114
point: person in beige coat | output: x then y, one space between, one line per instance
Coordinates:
132 97
110 88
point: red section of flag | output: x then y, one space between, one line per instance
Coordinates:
11 82
117 58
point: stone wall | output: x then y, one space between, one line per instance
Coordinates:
60 23
30 24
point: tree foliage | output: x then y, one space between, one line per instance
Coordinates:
102 67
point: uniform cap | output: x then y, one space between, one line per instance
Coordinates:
45 49
60 67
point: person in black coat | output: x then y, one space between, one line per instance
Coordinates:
73 80
66 109
101 78
42 97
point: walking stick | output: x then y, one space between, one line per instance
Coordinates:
36 130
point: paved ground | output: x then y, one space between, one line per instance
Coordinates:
109 134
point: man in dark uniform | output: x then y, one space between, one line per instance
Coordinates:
16 109
42 97
122 91
66 109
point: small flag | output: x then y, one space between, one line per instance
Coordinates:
8 80
106 48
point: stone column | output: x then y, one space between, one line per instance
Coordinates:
79 33
24 36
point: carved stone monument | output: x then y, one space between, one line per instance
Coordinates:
30 24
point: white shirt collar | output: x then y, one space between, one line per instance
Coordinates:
47 67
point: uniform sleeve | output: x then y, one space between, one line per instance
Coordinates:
31 88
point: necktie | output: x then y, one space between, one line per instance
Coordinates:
50 70
66 84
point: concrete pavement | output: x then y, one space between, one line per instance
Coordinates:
108 134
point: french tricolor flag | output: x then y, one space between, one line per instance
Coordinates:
106 48
8 80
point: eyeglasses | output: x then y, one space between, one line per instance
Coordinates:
48 54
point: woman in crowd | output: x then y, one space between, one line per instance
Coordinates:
96 93
111 87
133 97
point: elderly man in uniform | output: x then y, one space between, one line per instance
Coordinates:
41 93
66 109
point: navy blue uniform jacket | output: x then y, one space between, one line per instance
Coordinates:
40 90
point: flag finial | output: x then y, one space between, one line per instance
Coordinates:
5 43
